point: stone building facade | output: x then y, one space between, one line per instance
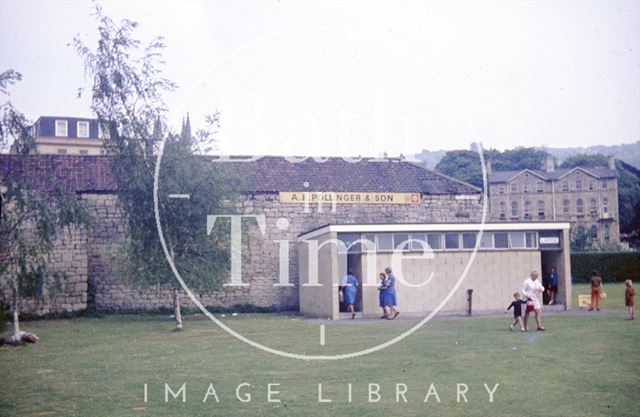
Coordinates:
89 257
585 197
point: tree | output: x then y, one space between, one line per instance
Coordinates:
31 216
127 97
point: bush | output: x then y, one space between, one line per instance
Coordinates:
612 266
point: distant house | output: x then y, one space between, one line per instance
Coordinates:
68 136
585 197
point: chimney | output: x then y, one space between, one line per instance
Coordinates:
612 162
488 168
549 164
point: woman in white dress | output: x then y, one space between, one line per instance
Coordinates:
532 290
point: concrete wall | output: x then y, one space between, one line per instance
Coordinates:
321 299
494 276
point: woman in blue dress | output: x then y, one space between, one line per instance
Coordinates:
383 295
349 292
390 296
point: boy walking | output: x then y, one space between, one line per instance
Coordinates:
517 311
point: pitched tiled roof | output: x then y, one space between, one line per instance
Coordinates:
598 172
73 173
76 173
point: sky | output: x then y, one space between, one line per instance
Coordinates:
358 77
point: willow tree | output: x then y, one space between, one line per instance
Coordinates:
127 97
32 215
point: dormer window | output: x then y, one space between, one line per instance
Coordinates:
83 129
61 128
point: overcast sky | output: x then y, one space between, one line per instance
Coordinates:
359 78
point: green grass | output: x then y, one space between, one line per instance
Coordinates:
583 365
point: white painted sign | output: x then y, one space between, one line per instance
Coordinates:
554 240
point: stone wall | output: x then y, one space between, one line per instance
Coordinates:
89 259
261 270
65 290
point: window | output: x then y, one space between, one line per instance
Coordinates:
593 206
434 240
594 232
578 184
61 128
604 184
62 151
84 152
579 207
103 132
399 239
82 129
565 185
531 238
452 241
503 210
517 240
514 187
514 209
469 240
385 242
501 240
566 207
526 187
541 209
486 242
366 246
592 185
527 209
540 186
605 205
606 232
501 189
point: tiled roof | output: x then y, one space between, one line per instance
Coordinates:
76 173
598 172
73 173
273 174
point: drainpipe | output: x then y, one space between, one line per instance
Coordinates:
469 299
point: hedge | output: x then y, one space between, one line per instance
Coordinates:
612 266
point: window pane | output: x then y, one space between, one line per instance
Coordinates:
368 242
517 239
385 242
531 240
399 239
435 241
452 241
468 240
501 240
83 129
486 242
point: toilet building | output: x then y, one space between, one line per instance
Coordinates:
436 266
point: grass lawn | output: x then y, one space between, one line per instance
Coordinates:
583 365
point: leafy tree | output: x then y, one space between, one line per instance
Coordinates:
127 97
31 217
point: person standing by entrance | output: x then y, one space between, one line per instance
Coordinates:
596 290
350 292
382 297
390 296
532 290
553 286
